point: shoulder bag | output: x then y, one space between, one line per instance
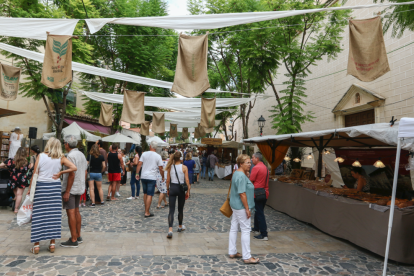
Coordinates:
260 193
225 208
183 187
33 184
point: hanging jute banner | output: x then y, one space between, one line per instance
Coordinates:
191 78
9 81
367 59
208 114
173 130
196 133
201 130
105 118
57 62
145 128
133 109
158 122
184 134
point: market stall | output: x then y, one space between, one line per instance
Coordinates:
357 216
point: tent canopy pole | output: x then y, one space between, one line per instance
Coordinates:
394 191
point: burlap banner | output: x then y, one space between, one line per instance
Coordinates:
9 82
184 134
158 122
208 114
105 118
57 63
173 130
133 110
367 59
196 133
201 130
145 128
191 78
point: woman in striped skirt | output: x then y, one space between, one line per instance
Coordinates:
47 204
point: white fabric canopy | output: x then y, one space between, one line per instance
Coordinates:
157 139
171 116
381 132
214 21
79 67
119 138
166 103
73 129
135 135
36 28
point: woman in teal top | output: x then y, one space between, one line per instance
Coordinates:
241 202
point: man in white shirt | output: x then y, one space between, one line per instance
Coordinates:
151 162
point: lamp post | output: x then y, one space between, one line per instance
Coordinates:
261 122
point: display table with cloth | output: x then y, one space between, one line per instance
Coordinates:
361 223
223 170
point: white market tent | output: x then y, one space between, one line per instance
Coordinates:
73 129
400 135
119 138
157 139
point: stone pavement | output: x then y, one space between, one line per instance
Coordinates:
118 240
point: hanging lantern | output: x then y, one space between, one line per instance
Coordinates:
310 156
356 163
287 158
326 152
339 159
297 159
379 164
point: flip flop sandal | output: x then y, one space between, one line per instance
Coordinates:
249 261
151 215
51 250
160 207
33 249
236 256
167 204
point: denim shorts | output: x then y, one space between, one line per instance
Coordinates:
95 176
148 186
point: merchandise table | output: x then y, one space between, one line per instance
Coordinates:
223 172
363 224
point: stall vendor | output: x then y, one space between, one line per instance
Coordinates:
361 184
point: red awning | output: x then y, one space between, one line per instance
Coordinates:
90 126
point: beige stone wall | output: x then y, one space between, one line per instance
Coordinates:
327 91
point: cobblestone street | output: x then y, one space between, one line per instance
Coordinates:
118 240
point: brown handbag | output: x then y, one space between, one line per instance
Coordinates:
226 209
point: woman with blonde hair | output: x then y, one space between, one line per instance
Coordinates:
15 141
241 202
97 166
20 173
47 203
177 174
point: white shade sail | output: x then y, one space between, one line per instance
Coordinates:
167 103
36 28
214 21
73 129
88 69
119 138
160 142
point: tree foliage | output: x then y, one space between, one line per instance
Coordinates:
398 18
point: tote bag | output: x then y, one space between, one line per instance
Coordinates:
225 208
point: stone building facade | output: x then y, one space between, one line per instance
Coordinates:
338 100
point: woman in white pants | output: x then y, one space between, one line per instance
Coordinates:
241 202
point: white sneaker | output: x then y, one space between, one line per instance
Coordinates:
117 194
131 197
137 197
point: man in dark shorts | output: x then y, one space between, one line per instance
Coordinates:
73 186
115 163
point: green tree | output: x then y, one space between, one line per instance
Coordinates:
142 51
306 39
33 88
398 18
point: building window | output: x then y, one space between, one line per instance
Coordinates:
357 98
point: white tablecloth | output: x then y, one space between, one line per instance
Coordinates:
223 172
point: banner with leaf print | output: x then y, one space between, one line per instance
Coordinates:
9 82
57 63
173 130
